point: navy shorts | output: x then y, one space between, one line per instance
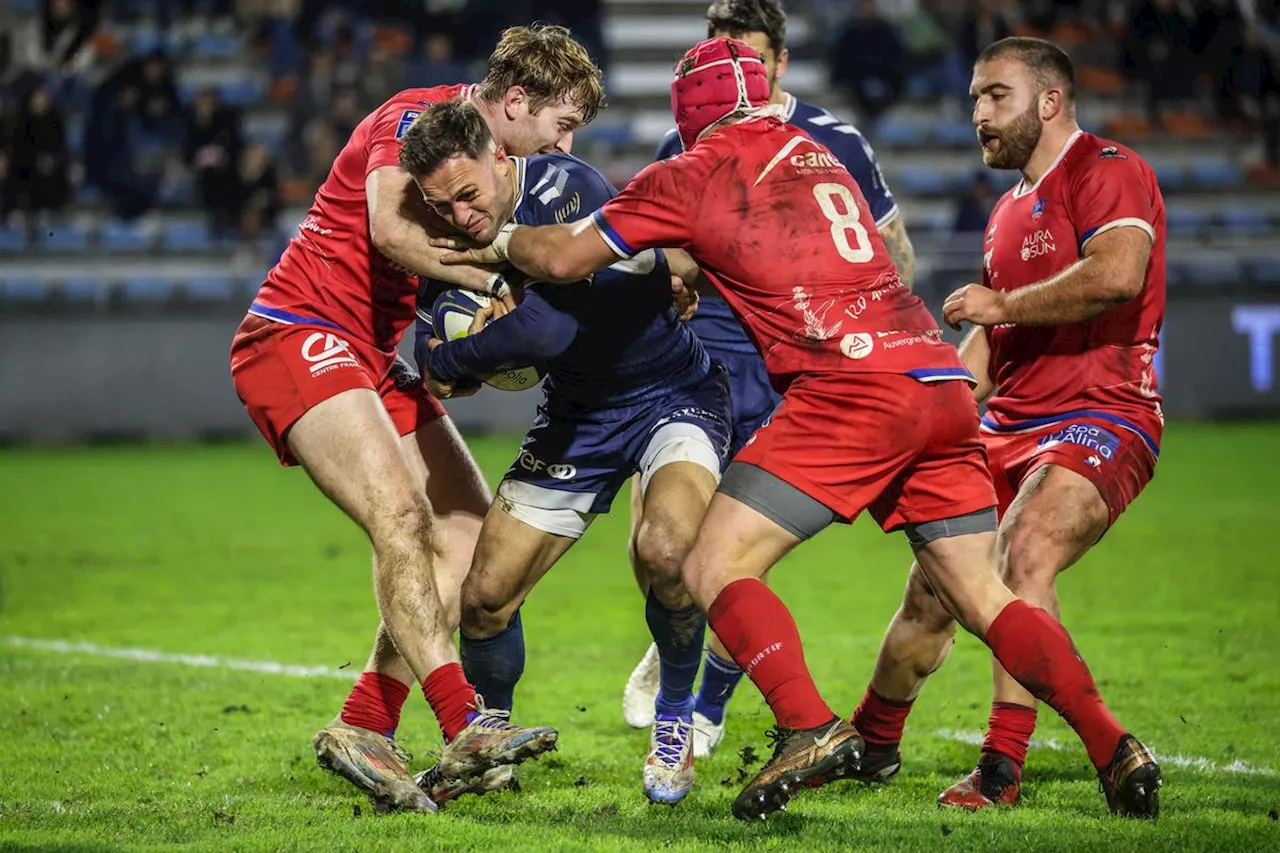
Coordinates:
753 397
577 458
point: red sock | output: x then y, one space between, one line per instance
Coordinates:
757 629
1037 651
375 703
452 698
880 720
1009 732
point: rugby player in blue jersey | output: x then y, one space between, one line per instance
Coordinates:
628 390
762 24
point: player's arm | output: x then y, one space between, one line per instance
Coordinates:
1110 273
399 228
535 332
903 254
975 355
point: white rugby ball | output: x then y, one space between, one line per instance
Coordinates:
452 315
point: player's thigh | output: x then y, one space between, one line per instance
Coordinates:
349 447
1057 516
679 470
513 553
752 522
961 571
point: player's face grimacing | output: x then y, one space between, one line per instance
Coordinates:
473 195
1006 112
775 65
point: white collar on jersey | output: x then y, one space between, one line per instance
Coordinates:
522 163
789 106
1021 189
741 116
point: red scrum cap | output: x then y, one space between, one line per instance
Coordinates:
715 78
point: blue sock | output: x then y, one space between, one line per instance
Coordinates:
679 635
719 678
494 665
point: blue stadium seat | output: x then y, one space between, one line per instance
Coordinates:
64 237
187 91
955 133
1185 220
12 240
921 180
901 134
919 87
186 236
22 5
240 93
23 289
215 46
1209 272
210 289
148 289
1168 175
1264 270
1244 219
270 134
174 193
124 237
1216 174
608 133
75 134
146 41
85 289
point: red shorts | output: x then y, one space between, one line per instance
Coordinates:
905 450
1115 459
280 371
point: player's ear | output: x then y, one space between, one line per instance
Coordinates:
783 58
515 102
1051 104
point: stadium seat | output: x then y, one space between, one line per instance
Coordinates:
84 289
23 289
1244 219
618 134
22 5
240 93
919 87
1168 175
1184 220
147 40
1216 174
12 240
899 134
210 289
955 133
124 237
186 236
148 289
178 192
65 237
1264 270
75 134
215 46
1209 272
921 180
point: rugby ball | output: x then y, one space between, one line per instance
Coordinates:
451 318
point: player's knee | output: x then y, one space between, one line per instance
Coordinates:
484 611
405 529
922 609
661 546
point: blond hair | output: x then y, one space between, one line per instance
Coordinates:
549 65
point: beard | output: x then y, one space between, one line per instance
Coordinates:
1017 141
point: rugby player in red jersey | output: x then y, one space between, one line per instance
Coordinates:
875 414
1067 321
313 362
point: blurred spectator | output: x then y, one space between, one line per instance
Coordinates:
868 61
436 67
983 22
327 134
256 193
212 150
6 165
1218 38
381 76
973 209
57 40
309 102
584 18
932 54
111 159
1157 50
40 159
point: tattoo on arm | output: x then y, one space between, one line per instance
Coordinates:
901 251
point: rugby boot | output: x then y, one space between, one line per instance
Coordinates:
994 782
1132 781
442 790
641 692
373 763
878 765
706 735
802 758
490 740
668 771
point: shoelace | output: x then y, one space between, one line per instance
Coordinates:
493 718
672 737
778 740
402 755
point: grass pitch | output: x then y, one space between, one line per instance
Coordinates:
217 552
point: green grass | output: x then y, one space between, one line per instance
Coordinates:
217 551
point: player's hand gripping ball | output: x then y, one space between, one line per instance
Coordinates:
452 317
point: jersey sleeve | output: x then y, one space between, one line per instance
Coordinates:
534 333
1111 192
653 210
389 124
852 149
562 188
669 147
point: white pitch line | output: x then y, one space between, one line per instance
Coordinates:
1189 762
266 667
